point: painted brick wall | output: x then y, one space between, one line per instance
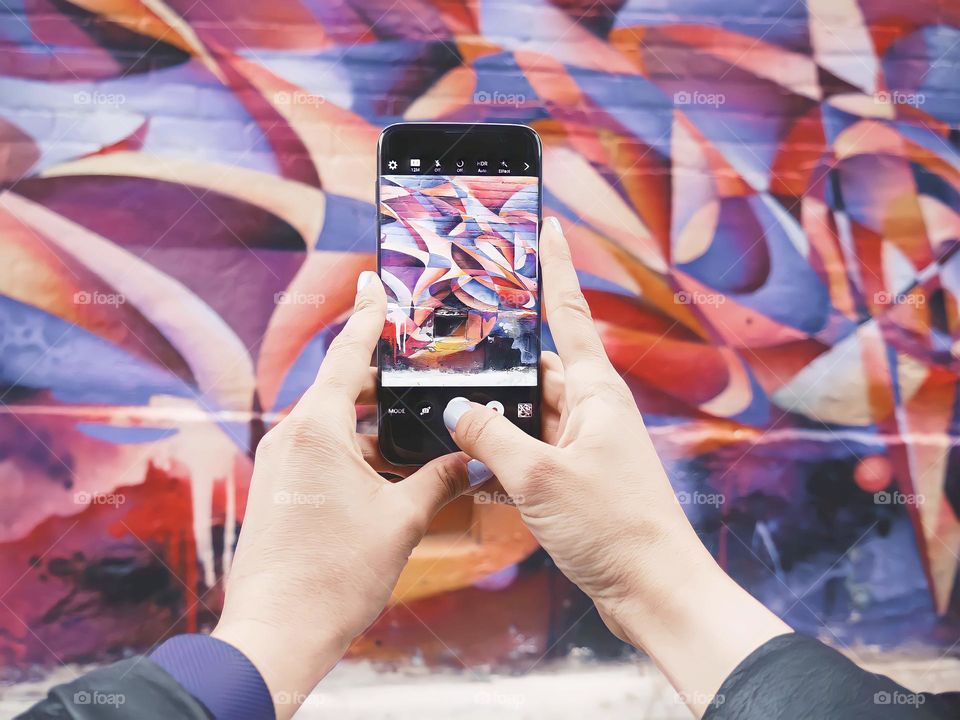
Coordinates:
762 200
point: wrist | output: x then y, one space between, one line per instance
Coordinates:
291 664
659 582
694 621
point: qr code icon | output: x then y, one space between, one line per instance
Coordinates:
524 410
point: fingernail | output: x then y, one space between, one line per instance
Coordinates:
554 224
365 277
454 411
477 473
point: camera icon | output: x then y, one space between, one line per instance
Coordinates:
682 97
881 698
82 697
482 97
682 297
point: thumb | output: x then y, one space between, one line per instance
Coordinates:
435 484
489 437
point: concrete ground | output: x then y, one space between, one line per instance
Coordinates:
570 689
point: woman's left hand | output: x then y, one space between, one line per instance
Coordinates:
324 537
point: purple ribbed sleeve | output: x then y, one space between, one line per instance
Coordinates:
218 675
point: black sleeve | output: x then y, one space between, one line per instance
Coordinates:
793 676
135 688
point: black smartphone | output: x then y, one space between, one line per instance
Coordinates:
459 219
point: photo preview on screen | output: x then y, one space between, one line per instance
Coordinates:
458 259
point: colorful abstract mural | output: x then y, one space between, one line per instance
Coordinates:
458 259
762 199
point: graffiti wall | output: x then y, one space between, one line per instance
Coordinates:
763 202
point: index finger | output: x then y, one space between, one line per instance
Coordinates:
568 314
346 368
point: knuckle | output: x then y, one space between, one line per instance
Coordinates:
573 301
307 432
541 472
364 304
550 464
346 343
266 445
475 427
329 386
545 465
611 391
316 394
451 481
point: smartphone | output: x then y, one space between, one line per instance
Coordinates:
459 209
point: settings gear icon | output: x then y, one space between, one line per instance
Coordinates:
392 164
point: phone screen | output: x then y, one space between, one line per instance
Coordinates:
459 213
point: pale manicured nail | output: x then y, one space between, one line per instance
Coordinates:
365 277
454 411
477 473
554 224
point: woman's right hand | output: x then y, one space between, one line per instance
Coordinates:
599 502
